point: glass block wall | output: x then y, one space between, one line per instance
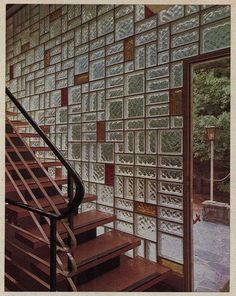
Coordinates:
106 83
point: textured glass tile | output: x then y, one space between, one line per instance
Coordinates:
151 142
177 121
170 227
115 109
171 188
146 160
93 30
139 57
115 48
135 83
139 142
151 55
124 204
81 64
115 136
170 201
184 52
115 81
89 117
185 38
171 162
190 9
96 54
158 84
146 172
139 12
185 24
96 85
106 152
171 214
55 28
97 173
74 151
114 70
101 9
129 142
105 195
170 14
151 196
123 170
215 37
160 110
110 38
97 69
134 107
114 59
124 226
61 115
88 12
123 10
145 227
139 189
134 124
146 25
163 57
124 159
171 247
171 175
170 142
99 42
145 37
124 27
128 188
124 215
215 14
176 75
105 23
50 82
119 186
151 251
115 125
157 98
157 72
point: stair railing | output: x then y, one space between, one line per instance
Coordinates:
74 201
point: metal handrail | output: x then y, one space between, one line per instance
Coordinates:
74 202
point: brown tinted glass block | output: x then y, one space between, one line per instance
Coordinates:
80 79
25 47
45 128
55 14
64 96
129 49
101 131
109 174
47 58
176 102
148 12
144 208
11 72
175 267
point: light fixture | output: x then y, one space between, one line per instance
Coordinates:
211 132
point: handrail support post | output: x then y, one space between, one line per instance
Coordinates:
53 264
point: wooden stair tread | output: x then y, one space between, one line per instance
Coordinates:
24 135
33 164
10 113
129 276
25 149
19 123
82 222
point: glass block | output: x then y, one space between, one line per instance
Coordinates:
101 9
122 170
163 57
151 196
129 142
89 117
119 186
170 14
124 226
128 188
185 24
124 204
215 37
171 142
139 57
139 12
158 84
88 12
157 72
171 247
96 85
163 38
185 38
96 54
97 69
171 188
146 160
170 201
105 23
145 227
114 70
93 30
55 28
114 109
151 52
81 64
134 124
176 75
139 142
215 14
190 9
115 136
115 48
170 227
146 172
139 189
184 52
171 175
124 27
50 82
89 137
115 81
151 142
119 148
135 83
105 195
89 127
124 216
97 173
124 159
106 152
115 125
145 37
176 121
74 151
151 251
160 110
146 25
114 59
171 161
97 43
171 214
61 115
134 107
157 98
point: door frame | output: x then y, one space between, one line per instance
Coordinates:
187 161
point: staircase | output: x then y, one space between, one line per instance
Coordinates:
49 244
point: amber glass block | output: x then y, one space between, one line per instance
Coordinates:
144 208
129 49
47 58
175 267
80 79
101 131
176 102
25 47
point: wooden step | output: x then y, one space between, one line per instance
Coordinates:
33 164
25 149
11 113
25 135
82 223
97 251
19 123
137 274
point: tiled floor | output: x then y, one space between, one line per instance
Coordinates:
211 256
